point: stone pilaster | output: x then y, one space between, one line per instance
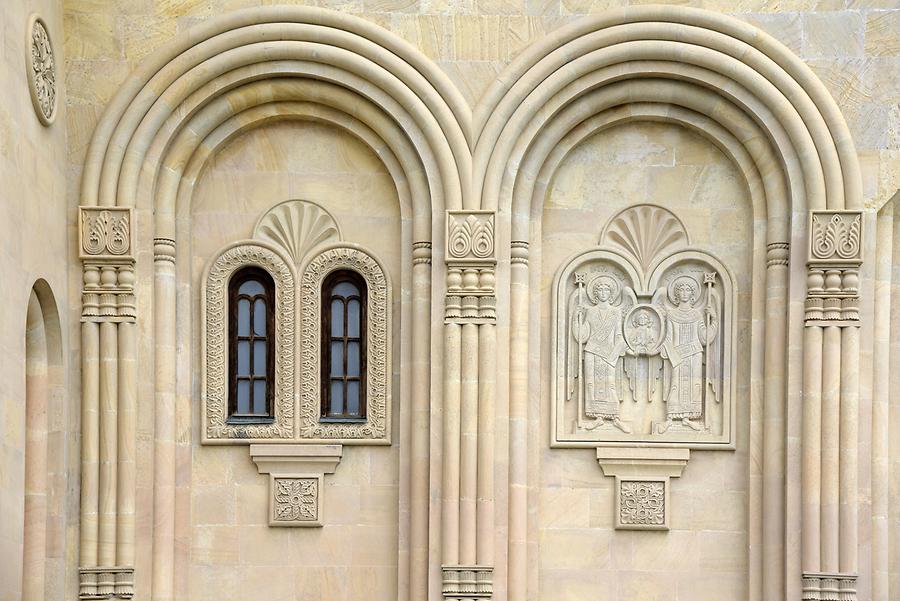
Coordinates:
105 236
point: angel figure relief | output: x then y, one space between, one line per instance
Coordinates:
644 336
690 350
597 307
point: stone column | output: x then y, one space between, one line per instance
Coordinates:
881 497
420 436
773 461
831 407
517 579
109 382
163 578
467 527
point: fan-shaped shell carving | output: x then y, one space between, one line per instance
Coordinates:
297 226
646 232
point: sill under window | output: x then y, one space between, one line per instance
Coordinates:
250 419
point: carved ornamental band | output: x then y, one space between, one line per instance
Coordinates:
835 256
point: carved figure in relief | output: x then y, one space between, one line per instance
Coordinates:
644 330
690 369
596 326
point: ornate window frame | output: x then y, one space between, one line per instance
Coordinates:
376 428
214 345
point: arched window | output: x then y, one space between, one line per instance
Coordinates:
344 346
251 327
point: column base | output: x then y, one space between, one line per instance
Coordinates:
465 583
114 582
829 587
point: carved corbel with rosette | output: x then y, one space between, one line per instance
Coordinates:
835 256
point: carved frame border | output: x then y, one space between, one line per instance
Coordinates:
214 347
376 428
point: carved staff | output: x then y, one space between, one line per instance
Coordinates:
709 279
579 282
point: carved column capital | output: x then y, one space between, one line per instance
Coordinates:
471 260
105 246
833 262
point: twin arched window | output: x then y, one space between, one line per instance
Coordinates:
251 328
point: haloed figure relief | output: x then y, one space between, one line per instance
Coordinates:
600 346
644 337
691 326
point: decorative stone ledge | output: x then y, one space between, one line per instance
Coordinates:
829 587
296 480
114 582
463 583
642 483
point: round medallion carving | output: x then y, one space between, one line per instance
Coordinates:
41 70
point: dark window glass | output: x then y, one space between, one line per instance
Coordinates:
251 306
344 346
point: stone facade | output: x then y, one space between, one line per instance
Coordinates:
632 299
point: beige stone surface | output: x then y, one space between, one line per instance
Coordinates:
545 517
38 415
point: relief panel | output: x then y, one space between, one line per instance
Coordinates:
644 334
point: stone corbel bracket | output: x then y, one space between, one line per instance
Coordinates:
105 247
296 480
833 262
471 262
642 483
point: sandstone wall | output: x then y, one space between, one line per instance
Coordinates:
34 211
223 544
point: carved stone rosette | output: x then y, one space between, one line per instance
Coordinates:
471 262
642 503
41 70
833 263
105 236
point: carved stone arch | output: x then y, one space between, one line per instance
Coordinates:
215 428
771 115
376 428
228 74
